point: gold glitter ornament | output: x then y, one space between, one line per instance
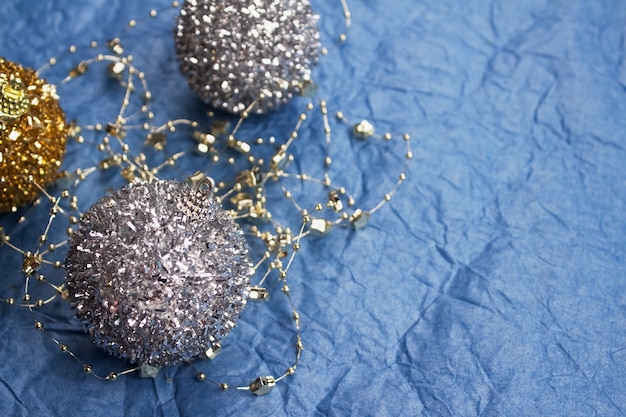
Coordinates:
33 132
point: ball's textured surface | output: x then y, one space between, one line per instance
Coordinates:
157 273
234 52
32 134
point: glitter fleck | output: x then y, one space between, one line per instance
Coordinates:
234 52
158 273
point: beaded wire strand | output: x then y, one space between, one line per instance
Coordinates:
245 193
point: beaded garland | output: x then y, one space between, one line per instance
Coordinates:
244 194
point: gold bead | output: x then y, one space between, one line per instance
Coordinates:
359 219
32 263
363 129
258 294
262 385
115 46
320 227
79 69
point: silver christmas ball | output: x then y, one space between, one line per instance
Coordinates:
235 51
157 273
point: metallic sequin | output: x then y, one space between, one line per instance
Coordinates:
32 134
158 273
235 51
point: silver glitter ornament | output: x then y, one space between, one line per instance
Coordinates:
158 273
234 52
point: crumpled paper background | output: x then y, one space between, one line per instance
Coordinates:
492 284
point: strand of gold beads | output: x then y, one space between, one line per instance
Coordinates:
252 205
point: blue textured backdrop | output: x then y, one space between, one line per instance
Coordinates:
492 285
